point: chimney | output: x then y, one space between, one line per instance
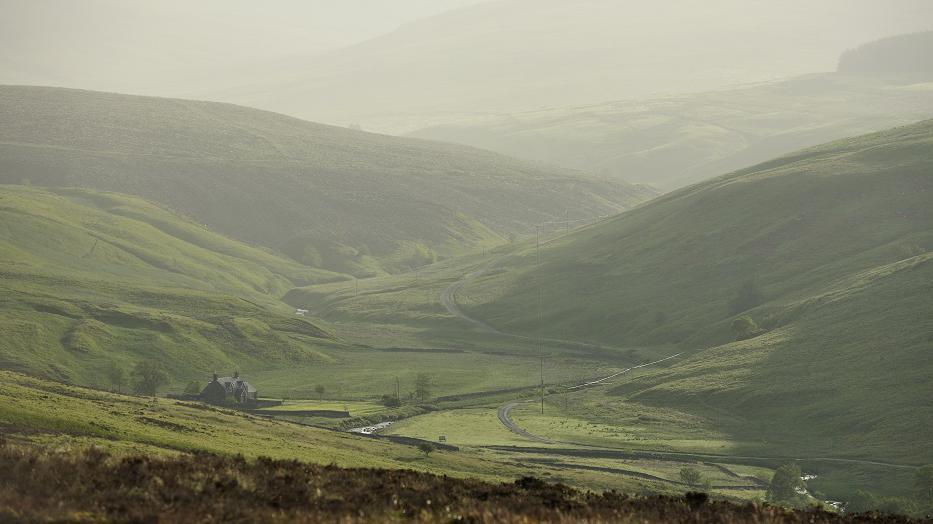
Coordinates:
215 377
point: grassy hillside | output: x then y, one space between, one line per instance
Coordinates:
827 250
675 141
91 278
328 197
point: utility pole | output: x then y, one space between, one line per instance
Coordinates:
397 391
542 384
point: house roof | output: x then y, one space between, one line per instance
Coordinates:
230 383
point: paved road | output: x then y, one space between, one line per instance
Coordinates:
503 414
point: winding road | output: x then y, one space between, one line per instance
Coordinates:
503 414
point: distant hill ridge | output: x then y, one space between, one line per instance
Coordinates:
329 197
909 55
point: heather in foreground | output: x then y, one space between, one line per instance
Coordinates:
92 485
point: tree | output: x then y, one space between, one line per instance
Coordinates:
923 482
148 376
116 376
391 401
423 386
193 388
690 476
319 389
426 448
785 483
747 297
745 328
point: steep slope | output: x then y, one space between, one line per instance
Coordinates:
328 197
827 250
675 141
516 55
90 279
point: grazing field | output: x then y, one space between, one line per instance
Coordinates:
355 408
460 427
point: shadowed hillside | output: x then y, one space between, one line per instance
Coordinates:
329 197
827 253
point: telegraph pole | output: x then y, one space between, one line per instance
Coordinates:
542 384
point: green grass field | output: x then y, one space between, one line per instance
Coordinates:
355 408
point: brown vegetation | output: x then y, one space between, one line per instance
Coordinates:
91 485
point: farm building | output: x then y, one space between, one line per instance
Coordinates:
225 390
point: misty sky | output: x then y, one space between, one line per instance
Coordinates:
109 44
380 62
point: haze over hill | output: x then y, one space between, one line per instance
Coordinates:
903 57
513 55
674 141
828 251
177 47
398 66
329 197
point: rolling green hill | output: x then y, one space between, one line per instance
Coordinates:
328 197
91 278
827 250
674 141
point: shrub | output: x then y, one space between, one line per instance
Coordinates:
745 328
785 483
690 476
193 388
391 401
148 377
